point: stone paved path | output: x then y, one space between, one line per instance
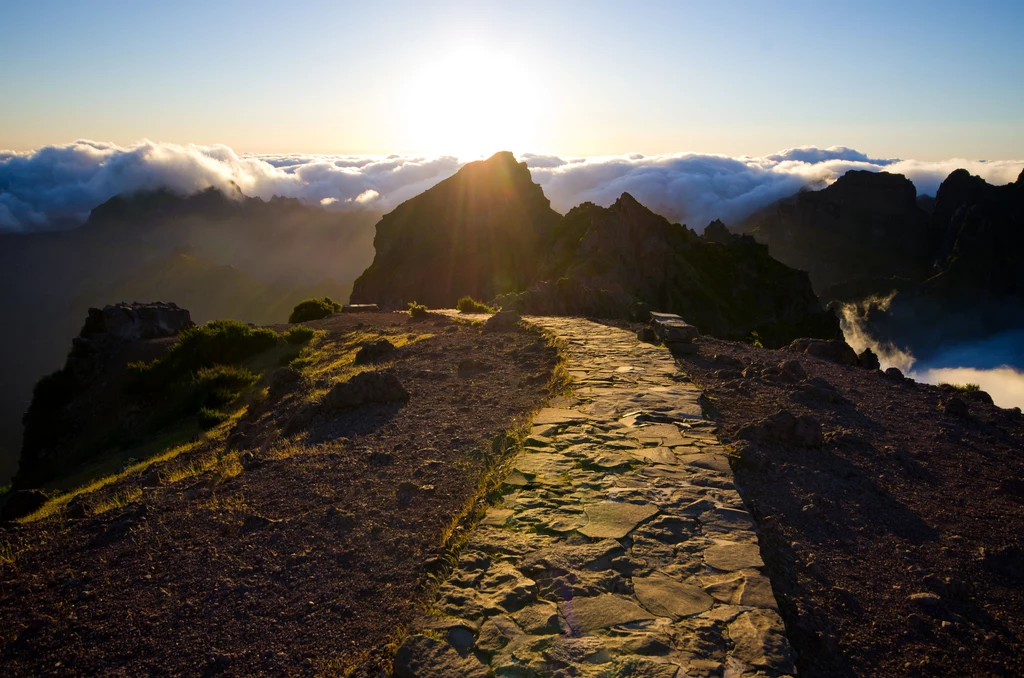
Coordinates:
620 546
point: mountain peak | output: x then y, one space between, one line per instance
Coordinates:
503 157
475 233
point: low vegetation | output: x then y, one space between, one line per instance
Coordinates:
468 304
200 374
418 310
299 335
314 309
964 388
221 342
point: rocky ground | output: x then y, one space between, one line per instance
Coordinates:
893 540
307 558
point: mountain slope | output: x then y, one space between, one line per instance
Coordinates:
631 255
280 248
976 290
865 225
476 233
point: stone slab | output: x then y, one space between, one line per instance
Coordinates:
614 520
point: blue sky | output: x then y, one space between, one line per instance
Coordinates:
928 80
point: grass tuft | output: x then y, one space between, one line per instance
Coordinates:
418 310
964 388
314 309
117 500
299 335
208 418
468 304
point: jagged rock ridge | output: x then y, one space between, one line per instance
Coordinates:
490 232
866 224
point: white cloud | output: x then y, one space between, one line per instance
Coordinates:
57 186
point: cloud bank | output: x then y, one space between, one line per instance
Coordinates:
995 363
55 187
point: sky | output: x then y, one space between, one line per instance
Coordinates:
923 80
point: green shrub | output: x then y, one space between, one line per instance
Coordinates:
964 388
468 304
302 362
418 310
221 342
314 309
299 335
226 377
208 418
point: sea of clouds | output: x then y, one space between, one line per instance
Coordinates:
995 363
56 186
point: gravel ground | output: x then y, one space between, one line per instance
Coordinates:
306 562
895 547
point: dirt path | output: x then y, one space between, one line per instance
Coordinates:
620 545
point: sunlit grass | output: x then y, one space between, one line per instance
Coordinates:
117 500
59 502
215 435
329 358
963 388
6 554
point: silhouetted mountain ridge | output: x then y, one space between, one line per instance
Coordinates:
489 232
952 261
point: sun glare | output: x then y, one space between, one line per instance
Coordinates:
471 103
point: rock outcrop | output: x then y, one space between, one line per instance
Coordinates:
477 233
621 260
128 322
865 225
66 404
364 388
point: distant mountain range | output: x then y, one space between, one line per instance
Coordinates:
220 256
939 270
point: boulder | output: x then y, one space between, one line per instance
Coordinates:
373 351
868 360
833 350
894 374
360 308
729 361
794 368
784 427
281 381
956 407
366 387
671 328
503 321
21 503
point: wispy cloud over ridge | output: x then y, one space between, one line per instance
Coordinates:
57 186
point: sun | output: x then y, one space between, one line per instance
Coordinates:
471 102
